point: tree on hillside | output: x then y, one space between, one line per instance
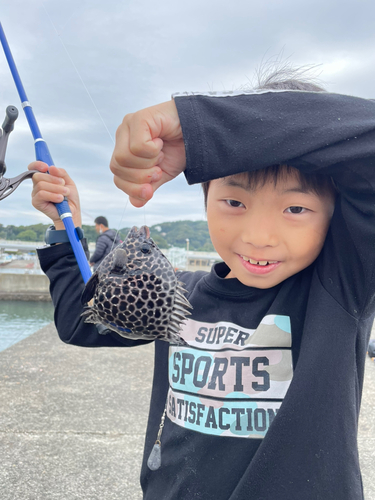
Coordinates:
90 233
27 235
159 240
39 229
165 234
176 233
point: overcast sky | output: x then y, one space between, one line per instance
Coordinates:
86 63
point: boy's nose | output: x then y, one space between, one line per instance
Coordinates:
260 232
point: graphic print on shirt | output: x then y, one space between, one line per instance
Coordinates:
230 381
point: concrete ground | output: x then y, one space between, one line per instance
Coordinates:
72 421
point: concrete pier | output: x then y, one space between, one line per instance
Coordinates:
72 420
23 280
24 287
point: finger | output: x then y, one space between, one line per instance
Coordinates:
54 175
38 165
49 179
124 162
140 192
144 132
147 182
61 173
52 187
135 145
134 174
52 170
42 199
137 203
150 126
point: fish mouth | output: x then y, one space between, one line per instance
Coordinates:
143 232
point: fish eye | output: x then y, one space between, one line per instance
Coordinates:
145 248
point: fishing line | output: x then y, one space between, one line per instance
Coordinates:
118 229
78 74
144 214
91 99
88 215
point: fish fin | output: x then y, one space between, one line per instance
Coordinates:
174 338
90 288
89 315
180 296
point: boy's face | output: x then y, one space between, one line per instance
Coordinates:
266 235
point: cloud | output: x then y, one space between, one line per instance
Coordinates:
86 64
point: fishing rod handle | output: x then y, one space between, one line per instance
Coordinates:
42 154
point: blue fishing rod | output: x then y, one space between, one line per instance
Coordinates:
42 153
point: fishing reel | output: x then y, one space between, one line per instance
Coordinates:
7 186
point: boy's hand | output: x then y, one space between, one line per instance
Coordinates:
149 151
50 189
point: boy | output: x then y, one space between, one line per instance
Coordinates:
264 402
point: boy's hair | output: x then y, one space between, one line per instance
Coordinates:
285 78
101 220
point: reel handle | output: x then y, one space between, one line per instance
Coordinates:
11 115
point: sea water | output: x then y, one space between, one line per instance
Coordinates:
19 319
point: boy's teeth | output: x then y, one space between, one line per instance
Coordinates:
259 262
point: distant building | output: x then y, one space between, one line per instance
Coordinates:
201 261
184 260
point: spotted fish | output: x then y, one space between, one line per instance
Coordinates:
136 293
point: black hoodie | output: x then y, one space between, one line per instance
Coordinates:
264 403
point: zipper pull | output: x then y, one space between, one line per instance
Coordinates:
154 460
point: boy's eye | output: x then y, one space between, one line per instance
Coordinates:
295 210
234 203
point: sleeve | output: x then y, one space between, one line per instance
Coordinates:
316 132
100 249
66 285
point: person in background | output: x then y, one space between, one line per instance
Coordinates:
105 242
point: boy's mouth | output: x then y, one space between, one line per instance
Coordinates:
259 267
